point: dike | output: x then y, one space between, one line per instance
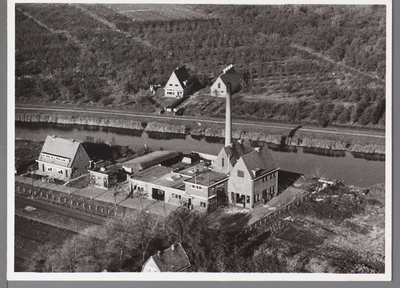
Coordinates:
207 132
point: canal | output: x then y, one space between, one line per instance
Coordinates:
352 169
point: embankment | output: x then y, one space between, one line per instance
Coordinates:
211 131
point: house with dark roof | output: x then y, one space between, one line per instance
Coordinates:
62 158
172 259
230 154
253 178
179 83
227 83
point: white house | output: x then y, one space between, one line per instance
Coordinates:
179 84
227 82
62 158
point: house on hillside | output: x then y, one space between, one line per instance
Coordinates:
227 83
179 84
172 259
253 178
62 158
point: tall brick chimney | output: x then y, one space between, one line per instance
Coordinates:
228 120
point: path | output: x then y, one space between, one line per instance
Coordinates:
113 27
319 55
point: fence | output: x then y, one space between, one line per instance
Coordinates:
69 200
273 222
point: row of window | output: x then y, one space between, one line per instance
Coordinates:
197 187
265 178
50 169
173 85
54 157
176 196
138 188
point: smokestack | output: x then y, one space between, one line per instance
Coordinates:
228 121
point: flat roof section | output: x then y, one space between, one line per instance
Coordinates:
160 175
208 178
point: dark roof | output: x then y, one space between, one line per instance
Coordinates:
172 260
149 160
183 75
208 178
259 160
230 78
56 146
237 150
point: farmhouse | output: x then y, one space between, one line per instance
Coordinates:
227 83
179 84
62 158
172 259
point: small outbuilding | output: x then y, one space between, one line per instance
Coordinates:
172 259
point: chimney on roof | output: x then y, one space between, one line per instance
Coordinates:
228 121
229 67
173 247
159 254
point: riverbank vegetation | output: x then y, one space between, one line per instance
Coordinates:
336 232
321 64
280 134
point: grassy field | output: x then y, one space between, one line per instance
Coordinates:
30 235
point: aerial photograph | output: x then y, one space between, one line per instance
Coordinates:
200 138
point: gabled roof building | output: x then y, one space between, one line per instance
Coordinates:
62 158
227 83
179 83
172 259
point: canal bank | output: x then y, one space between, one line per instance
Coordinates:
344 165
297 136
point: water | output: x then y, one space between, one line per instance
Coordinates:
353 170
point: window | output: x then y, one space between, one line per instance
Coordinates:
176 85
219 85
60 172
240 173
203 204
247 199
223 162
170 84
50 169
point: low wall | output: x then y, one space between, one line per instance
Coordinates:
70 200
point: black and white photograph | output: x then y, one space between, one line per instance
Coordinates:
206 140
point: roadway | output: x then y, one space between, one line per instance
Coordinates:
352 131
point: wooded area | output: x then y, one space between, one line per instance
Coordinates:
93 54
